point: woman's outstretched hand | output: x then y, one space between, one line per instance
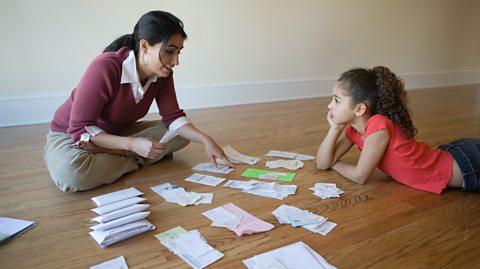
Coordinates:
215 152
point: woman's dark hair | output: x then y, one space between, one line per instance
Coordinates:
155 27
383 91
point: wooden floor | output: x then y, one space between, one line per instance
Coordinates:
380 225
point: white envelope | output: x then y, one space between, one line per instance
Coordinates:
107 237
205 179
121 213
117 205
116 196
120 221
295 256
117 263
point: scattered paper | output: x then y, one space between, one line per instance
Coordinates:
208 167
326 190
11 227
289 155
222 218
117 263
295 256
273 176
190 246
170 235
303 218
290 164
256 173
178 195
205 179
271 190
237 220
236 157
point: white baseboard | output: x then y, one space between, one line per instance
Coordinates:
35 109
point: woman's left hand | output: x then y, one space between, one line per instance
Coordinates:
215 152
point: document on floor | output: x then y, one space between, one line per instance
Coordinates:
236 157
257 173
190 246
326 190
266 189
237 220
120 216
286 214
205 179
178 195
208 167
295 256
287 164
10 227
117 263
289 155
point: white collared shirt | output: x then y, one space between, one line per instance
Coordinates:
130 75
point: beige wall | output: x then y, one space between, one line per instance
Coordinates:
47 44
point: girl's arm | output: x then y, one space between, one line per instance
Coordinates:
373 150
213 151
334 145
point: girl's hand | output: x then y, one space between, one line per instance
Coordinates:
215 152
147 147
334 125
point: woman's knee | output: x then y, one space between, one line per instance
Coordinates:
176 144
89 171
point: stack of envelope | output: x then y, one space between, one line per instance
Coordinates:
120 216
266 189
178 195
286 214
237 220
190 246
326 190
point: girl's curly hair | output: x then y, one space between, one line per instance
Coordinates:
383 91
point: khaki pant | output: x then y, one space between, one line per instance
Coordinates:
74 169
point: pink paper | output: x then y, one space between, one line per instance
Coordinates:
249 224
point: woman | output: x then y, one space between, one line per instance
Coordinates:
95 136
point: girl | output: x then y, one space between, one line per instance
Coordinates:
94 136
369 110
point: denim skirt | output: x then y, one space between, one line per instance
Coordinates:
466 153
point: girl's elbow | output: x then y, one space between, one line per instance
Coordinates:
362 179
322 166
